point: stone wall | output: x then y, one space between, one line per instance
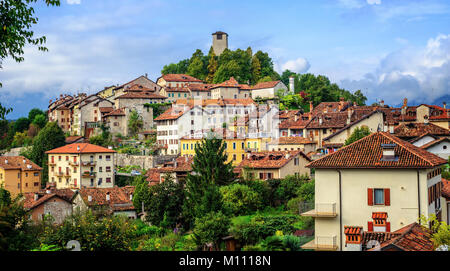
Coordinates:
144 162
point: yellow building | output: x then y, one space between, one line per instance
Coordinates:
236 147
81 165
19 175
379 184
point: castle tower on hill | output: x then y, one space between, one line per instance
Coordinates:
220 42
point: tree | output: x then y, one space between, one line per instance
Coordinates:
17 18
440 231
50 137
212 66
40 120
21 139
135 122
196 69
358 133
210 228
209 170
226 71
21 124
34 112
256 70
4 111
240 199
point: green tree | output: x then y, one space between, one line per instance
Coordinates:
4 111
212 66
226 71
440 231
21 124
358 133
210 228
40 120
17 18
50 137
135 122
256 70
34 112
209 170
21 139
240 199
196 69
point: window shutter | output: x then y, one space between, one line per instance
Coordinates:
370 197
387 197
388 226
429 195
370 226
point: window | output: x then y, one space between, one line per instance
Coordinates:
100 169
234 157
108 169
108 157
36 184
219 36
108 180
234 145
378 196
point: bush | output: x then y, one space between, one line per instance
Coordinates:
240 199
210 229
262 188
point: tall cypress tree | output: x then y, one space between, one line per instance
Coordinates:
209 171
212 66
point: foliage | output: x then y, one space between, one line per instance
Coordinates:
285 189
260 227
358 133
6 134
209 170
440 230
21 124
50 137
210 228
158 109
3 110
113 233
240 199
163 202
14 226
135 122
20 139
260 187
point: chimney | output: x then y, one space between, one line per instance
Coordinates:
391 129
287 155
311 107
291 84
382 103
349 116
36 196
24 161
405 102
353 238
78 148
445 105
131 196
108 196
320 121
388 152
6 161
29 166
89 198
385 127
341 104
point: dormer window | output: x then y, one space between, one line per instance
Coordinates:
388 152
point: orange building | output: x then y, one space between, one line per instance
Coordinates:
19 175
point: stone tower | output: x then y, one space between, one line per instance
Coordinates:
220 42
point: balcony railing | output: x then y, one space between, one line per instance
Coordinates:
59 174
88 174
89 163
325 210
322 243
75 164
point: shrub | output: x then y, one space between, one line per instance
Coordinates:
210 228
240 199
262 188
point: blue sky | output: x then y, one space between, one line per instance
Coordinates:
390 49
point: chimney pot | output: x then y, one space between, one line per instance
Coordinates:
36 196
108 197
89 198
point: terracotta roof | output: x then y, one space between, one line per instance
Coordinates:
119 197
200 87
181 164
355 119
43 196
408 130
173 113
140 88
262 85
286 114
232 83
106 109
80 148
140 95
216 102
177 89
422 136
446 188
117 112
381 237
437 141
270 159
142 76
17 162
292 140
72 139
413 237
379 215
180 78
353 230
153 176
331 107
368 153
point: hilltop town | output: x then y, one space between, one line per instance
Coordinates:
331 175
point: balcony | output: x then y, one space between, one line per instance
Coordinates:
88 174
59 174
323 210
323 243
89 164
74 164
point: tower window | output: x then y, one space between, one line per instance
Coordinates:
219 36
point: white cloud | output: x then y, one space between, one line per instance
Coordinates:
419 74
374 2
299 65
73 2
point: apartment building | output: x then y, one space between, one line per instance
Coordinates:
380 183
268 89
81 165
230 89
177 80
19 175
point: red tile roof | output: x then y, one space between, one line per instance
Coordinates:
77 148
446 188
173 113
140 95
368 153
43 196
408 130
117 112
379 215
292 140
72 139
353 230
153 176
18 162
180 78
413 237
270 159
120 199
200 87
140 88
181 164
263 85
